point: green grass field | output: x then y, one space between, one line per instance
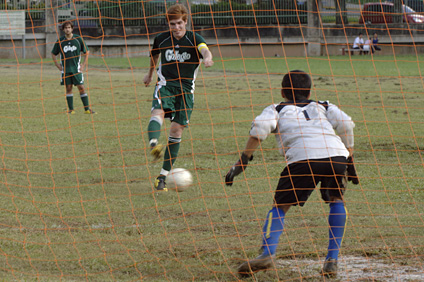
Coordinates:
76 192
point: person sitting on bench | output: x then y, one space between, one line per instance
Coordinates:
375 46
368 46
358 44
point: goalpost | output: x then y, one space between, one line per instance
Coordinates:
77 197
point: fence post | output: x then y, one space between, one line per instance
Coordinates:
51 23
188 6
23 47
314 28
341 15
398 11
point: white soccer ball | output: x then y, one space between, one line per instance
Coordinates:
179 179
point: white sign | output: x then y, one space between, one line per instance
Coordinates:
12 22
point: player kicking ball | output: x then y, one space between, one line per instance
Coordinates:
70 48
317 141
181 51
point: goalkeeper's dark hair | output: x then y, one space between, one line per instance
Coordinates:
296 85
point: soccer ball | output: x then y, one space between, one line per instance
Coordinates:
179 179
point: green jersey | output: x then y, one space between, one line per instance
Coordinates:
180 59
70 53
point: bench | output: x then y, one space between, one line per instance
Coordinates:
346 50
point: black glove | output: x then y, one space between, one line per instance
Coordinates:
351 171
237 168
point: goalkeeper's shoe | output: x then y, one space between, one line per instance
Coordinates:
330 268
262 262
90 112
155 149
71 112
160 184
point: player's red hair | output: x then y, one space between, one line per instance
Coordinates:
177 11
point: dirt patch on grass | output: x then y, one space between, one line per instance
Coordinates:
353 268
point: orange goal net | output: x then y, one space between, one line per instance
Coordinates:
77 189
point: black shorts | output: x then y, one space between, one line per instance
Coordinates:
299 179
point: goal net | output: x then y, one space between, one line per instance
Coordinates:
78 199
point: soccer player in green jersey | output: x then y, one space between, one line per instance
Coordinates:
181 52
70 48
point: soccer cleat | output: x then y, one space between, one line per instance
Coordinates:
262 262
160 185
330 268
71 112
90 112
156 151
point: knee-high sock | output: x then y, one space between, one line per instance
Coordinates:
272 230
171 153
337 222
70 101
154 128
85 102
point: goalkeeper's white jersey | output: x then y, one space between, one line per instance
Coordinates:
306 130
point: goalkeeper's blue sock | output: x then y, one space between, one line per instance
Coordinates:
337 222
272 231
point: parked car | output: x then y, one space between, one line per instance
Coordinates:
384 12
416 5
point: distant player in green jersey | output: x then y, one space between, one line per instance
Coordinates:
181 53
70 48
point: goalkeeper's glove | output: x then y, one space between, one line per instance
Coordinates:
237 168
351 171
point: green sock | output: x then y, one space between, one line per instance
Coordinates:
70 101
84 99
171 153
153 129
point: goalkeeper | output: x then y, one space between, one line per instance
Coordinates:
305 131
181 51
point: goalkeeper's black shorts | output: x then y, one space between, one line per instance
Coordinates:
299 179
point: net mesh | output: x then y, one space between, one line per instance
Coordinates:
77 190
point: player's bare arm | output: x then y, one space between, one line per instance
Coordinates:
207 57
148 77
251 146
85 62
59 66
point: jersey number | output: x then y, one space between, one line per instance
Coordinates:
305 113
